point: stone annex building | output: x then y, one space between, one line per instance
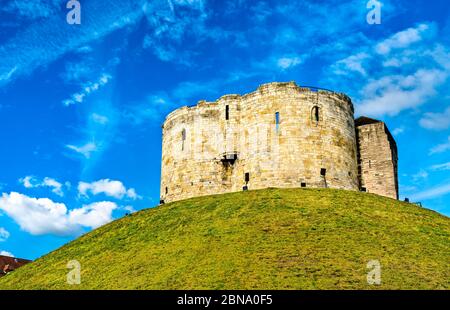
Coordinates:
280 135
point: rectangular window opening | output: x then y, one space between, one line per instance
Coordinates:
227 112
183 138
303 184
247 177
277 120
323 172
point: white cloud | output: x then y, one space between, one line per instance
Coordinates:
84 49
93 215
404 76
37 44
397 131
440 148
271 64
7 75
394 93
402 58
99 119
32 9
432 193
351 63
37 216
421 175
165 53
436 121
130 209
441 55
40 216
79 72
5 253
26 181
4 234
403 39
108 187
32 182
55 185
170 30
131 193
288 62
87 89
86 150
440 167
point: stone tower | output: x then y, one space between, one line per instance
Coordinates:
377 158
280 135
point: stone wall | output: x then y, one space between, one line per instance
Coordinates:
377 158
281 135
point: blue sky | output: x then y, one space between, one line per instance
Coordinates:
81 106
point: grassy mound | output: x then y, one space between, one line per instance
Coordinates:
266 239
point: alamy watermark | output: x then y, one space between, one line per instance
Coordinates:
74 275
374 15
374 274
74 15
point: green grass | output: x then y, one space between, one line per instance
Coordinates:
266 239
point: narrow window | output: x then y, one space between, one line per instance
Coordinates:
277 120
247 177
303 184
227 112
167 190
315 114
183 138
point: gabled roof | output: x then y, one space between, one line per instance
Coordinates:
11 262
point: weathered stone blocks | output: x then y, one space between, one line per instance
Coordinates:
281 135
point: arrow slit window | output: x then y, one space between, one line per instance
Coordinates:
315 114
183 138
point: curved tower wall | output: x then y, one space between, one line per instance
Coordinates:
281 135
